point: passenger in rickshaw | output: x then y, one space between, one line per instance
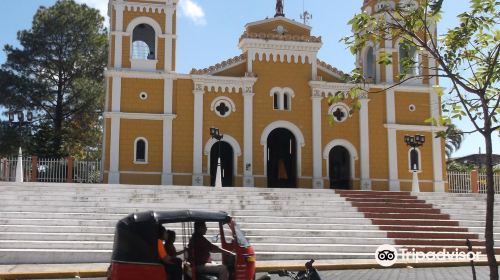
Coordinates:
173 265
199 249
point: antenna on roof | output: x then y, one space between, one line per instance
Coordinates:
305 16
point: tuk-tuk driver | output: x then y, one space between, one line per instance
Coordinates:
199 253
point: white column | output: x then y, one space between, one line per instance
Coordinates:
198 135
118 36
392 142
437 152
114 151
316 139
389 72
114 143
314 65
169 37
366 183
248 179
166 176
116 92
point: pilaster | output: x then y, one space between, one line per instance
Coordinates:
166 176
437 152
392 141
248 179
316 98
198 135
118 36
366 183
114 153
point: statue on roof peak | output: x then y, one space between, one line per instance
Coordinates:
279 9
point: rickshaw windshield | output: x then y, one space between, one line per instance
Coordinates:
240 237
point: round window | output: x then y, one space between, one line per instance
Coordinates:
412 108
143 96
339 112
222 106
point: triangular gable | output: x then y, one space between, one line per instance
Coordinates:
270 25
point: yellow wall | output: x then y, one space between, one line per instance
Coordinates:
149 129
379 162
182 151
130 101
421 101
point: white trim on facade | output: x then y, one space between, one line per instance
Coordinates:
410 127
343 143
144 64
232 105
146 150
299 138
281 93
277 50
364 140
139 116
114 152
248 179
392 147
318 182
198 135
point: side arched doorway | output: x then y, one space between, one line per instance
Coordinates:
281 159
339 168
227 164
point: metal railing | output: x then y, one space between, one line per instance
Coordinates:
466 182
52 170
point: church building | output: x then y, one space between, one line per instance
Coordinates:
270 104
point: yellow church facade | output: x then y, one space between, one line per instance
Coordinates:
270 103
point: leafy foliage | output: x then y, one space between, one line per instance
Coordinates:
58 73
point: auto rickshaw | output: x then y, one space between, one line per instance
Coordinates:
135 253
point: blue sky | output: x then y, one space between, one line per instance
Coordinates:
208 32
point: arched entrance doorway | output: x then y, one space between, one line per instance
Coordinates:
227 163
281 159
339 168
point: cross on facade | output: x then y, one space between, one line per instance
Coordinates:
222 109
339 114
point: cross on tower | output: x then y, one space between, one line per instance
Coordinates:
279 9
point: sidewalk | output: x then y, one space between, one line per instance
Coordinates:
90 270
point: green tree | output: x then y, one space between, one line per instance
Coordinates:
58 73
466 56
453 140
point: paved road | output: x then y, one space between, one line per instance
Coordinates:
452 273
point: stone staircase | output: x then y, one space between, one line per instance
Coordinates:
413 222
73 223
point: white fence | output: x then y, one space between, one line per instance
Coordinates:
461 182
52 170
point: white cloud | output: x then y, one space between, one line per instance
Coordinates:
101 5
192 11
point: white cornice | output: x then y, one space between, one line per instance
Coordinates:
252 43
324 89
409 127
127 73
147 7
223 84
140 116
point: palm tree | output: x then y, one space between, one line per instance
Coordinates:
453 140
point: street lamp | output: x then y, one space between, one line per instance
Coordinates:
215 133
414 142
20 123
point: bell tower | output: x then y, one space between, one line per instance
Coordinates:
138 111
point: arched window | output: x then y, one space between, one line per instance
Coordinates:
276 101
414 159
408 59
370 73
140 150
282 98
286 101
143 42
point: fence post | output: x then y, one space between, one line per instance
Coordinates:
34 169
473 181
70 170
